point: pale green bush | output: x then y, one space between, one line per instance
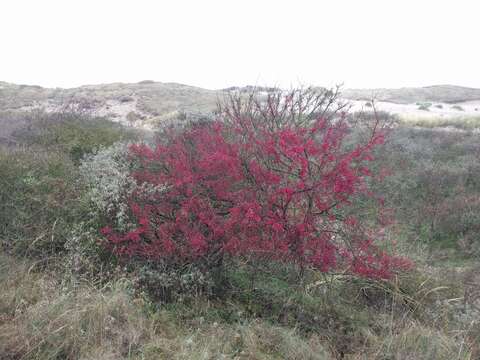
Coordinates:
107 174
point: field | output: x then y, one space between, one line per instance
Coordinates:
65 296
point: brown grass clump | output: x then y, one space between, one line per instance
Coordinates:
40 320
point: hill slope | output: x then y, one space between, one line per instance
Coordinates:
436 93
148 102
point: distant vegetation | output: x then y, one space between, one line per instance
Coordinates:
424 106
71 133
464 123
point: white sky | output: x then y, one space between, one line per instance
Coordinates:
215 44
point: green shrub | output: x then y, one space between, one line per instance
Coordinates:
38 200
45 213
107 176
72 133
458 107
424 106
433 186
46 208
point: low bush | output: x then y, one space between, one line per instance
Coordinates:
38 200
107 175
75 134
424 106
432 185
458 108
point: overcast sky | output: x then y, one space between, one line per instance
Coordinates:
215 44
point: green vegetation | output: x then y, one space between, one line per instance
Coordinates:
434 190
458 107
71 133
38 194
461 123
424 106
64 297
41 196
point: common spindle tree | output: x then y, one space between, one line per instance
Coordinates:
271 178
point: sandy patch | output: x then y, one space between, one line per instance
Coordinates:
436 110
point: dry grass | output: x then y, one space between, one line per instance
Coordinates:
256 340
42 318
415 341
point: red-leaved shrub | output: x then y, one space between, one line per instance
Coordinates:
267 180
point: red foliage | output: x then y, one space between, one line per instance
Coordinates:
245 187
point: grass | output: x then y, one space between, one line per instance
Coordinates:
45 321
42 317
416 341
